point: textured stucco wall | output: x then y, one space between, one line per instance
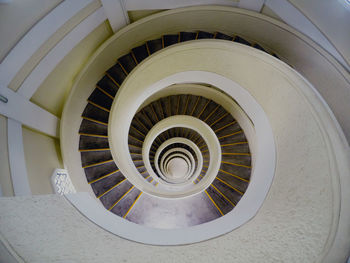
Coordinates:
49 229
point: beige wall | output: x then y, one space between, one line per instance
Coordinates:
52 94
17 17
5 176
332 17
138 14
57 36
42 155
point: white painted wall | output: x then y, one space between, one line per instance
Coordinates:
332 18
293 17
17 17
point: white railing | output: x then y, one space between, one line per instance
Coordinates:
61 182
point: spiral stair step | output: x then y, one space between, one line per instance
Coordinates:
100 99
154 45
203 35
127 63
107 85
125 202
234 195
113 194
97 142
221 202
169 40
95 114
238 182
106 183
95 173
219 35
257 46
241 40
90 127
187 36
95 158
116 74
140 53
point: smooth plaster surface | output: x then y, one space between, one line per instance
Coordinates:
42 155
17 17
332 18
52 94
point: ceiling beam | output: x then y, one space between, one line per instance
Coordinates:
57 54
37 36
25 112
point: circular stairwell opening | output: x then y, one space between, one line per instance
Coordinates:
177 168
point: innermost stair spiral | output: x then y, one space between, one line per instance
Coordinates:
177 168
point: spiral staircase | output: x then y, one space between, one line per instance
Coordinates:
191 142
116 193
